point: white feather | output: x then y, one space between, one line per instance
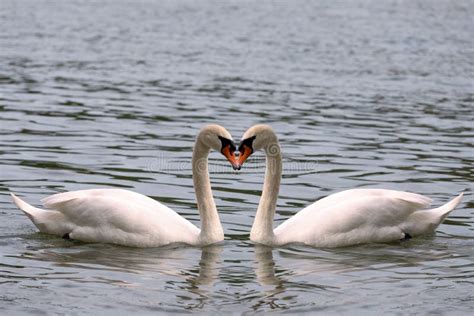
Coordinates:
111 216
362 216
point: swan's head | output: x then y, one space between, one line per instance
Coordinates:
258 137
218 138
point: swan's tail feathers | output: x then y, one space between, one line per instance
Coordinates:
32 212
447 208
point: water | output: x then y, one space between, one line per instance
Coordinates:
112 94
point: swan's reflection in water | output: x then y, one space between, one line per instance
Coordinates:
265 267
287 275
209 266
259 278
279 289
174 260
267 278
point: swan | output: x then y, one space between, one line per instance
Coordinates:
350 217
127 218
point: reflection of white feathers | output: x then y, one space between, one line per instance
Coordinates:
195 266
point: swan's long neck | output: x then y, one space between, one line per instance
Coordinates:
211 228
262 229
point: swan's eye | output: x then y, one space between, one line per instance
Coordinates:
225 142
248 142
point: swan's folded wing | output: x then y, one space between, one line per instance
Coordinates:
348 196
416 200
378 211
53 201
118 209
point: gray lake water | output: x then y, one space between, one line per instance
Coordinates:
112 94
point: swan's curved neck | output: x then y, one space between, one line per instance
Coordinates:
262 228
211 228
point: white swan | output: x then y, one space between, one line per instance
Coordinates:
127 218
346 218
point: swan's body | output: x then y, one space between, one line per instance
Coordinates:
342 219
127 218
111 216
362 216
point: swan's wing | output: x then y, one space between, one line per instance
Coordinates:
363 214
354 194
111 213
55 200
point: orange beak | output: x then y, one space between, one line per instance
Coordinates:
228 152
245 152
